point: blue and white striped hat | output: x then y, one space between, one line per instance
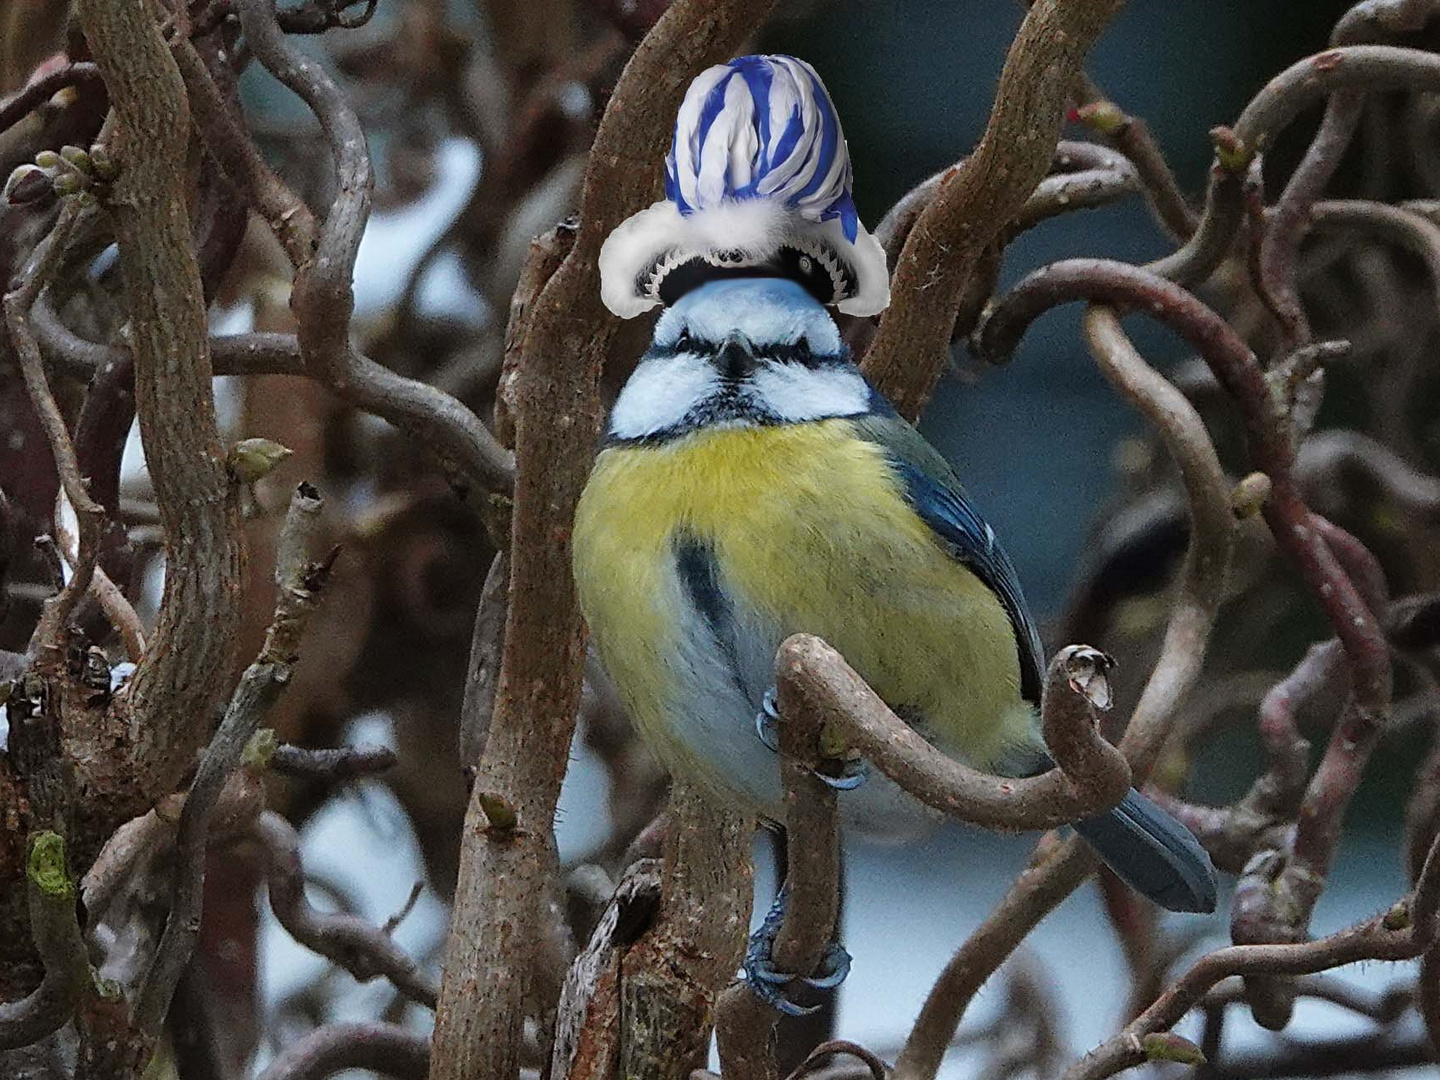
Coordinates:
758 176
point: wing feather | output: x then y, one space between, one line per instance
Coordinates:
934 492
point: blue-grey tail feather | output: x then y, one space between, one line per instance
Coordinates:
1152 853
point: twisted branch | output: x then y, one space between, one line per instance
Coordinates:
1403 933
58 941
388 1049
363 950
1060 869
976 201
199 620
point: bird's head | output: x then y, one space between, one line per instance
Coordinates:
740 352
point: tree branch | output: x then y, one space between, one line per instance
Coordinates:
388 1049
50 638
671 978
175 684
332 765
1131 136
35 93
322 297
1059 870
746 1025
1091 777
58 941
1370 68
363 950
977 201
1403 933
494 931
298 582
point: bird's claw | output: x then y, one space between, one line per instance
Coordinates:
849 773
767 721
832 970
843 774
767 982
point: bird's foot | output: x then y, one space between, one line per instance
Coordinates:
842 774
768 983
767 721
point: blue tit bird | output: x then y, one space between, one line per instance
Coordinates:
752 485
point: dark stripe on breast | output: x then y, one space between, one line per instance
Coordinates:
695 562
700 578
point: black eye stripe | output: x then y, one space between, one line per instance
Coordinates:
801 353
685 343
796 353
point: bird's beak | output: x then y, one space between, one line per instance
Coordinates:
736 360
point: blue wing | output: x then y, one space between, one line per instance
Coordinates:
935 493
1149 849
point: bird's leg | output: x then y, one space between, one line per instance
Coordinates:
768 983
841 773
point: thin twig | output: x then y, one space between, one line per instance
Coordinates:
298 582
113 602
1199 257
1392 224
34 94
1082 175
1085 175
1370 68
832 1047
364 950
223 133
1286 226
332 765
50 635
1403 933
323 298
1131 136
1291 217
1271 445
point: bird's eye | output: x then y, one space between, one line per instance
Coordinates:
801 353
683 342
802 350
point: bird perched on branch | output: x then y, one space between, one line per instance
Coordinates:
754 485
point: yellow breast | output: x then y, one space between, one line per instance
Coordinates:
810 532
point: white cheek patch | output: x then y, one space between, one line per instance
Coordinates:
661 393
795 394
